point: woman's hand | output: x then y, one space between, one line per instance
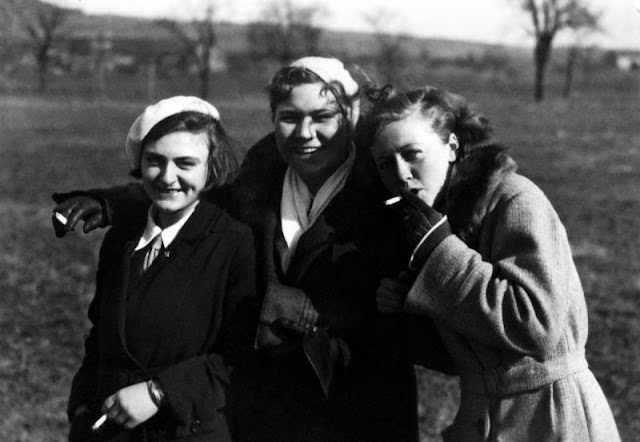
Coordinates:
130 406
80 208
419 217
391 293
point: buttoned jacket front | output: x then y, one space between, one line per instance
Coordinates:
189 316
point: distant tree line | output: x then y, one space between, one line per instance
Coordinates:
288 30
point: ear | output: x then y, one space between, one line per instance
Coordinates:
453 147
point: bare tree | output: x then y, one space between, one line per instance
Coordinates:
8 37
549 17
287 31
391 57
43 24
199 38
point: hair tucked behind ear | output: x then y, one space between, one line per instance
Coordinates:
446 112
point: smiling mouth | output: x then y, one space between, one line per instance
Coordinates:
169 191
306 150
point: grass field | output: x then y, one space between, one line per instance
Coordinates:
584 153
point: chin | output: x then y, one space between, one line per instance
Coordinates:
170 206
428 197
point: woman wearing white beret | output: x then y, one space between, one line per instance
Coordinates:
175 291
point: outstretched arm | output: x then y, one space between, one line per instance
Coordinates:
98 207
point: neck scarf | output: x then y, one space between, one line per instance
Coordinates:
299 209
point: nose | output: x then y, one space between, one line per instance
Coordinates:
304 128
168 174
403 172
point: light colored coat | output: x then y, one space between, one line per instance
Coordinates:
511 311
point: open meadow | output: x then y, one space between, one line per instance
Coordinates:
583 152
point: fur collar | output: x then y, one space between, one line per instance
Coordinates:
471 186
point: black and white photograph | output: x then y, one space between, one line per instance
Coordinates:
320 220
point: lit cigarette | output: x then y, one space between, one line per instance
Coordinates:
392 201
100 422
60 217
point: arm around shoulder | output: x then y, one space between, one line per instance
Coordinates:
101 207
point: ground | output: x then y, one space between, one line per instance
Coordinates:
583 153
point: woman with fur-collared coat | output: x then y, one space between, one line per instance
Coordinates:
493 267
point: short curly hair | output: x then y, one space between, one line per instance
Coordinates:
288 77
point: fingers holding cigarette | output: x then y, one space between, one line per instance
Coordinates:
77 209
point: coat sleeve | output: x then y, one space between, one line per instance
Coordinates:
516 295
120 204
195 388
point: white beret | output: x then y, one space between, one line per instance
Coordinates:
329 69
157 112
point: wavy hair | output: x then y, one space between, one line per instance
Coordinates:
288 77
445 112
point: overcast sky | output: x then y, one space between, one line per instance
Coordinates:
494 21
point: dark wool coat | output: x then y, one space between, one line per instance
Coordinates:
332 278
510 307
188 316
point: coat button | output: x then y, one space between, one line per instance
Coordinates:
195 426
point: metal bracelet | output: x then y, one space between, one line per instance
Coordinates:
155 392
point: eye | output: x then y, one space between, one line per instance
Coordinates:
152 160
186 163
287 117
411 154
324 116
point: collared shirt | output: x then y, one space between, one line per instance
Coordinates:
168 234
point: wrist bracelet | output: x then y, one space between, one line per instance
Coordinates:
155 392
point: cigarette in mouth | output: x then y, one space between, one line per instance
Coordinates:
60 217
392 201
98 423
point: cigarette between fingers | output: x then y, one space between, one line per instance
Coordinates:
99 423
60 217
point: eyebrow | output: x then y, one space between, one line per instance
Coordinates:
406 146
181 158
335 109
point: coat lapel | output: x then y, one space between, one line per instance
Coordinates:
312 243
330 226
176 255
122 293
